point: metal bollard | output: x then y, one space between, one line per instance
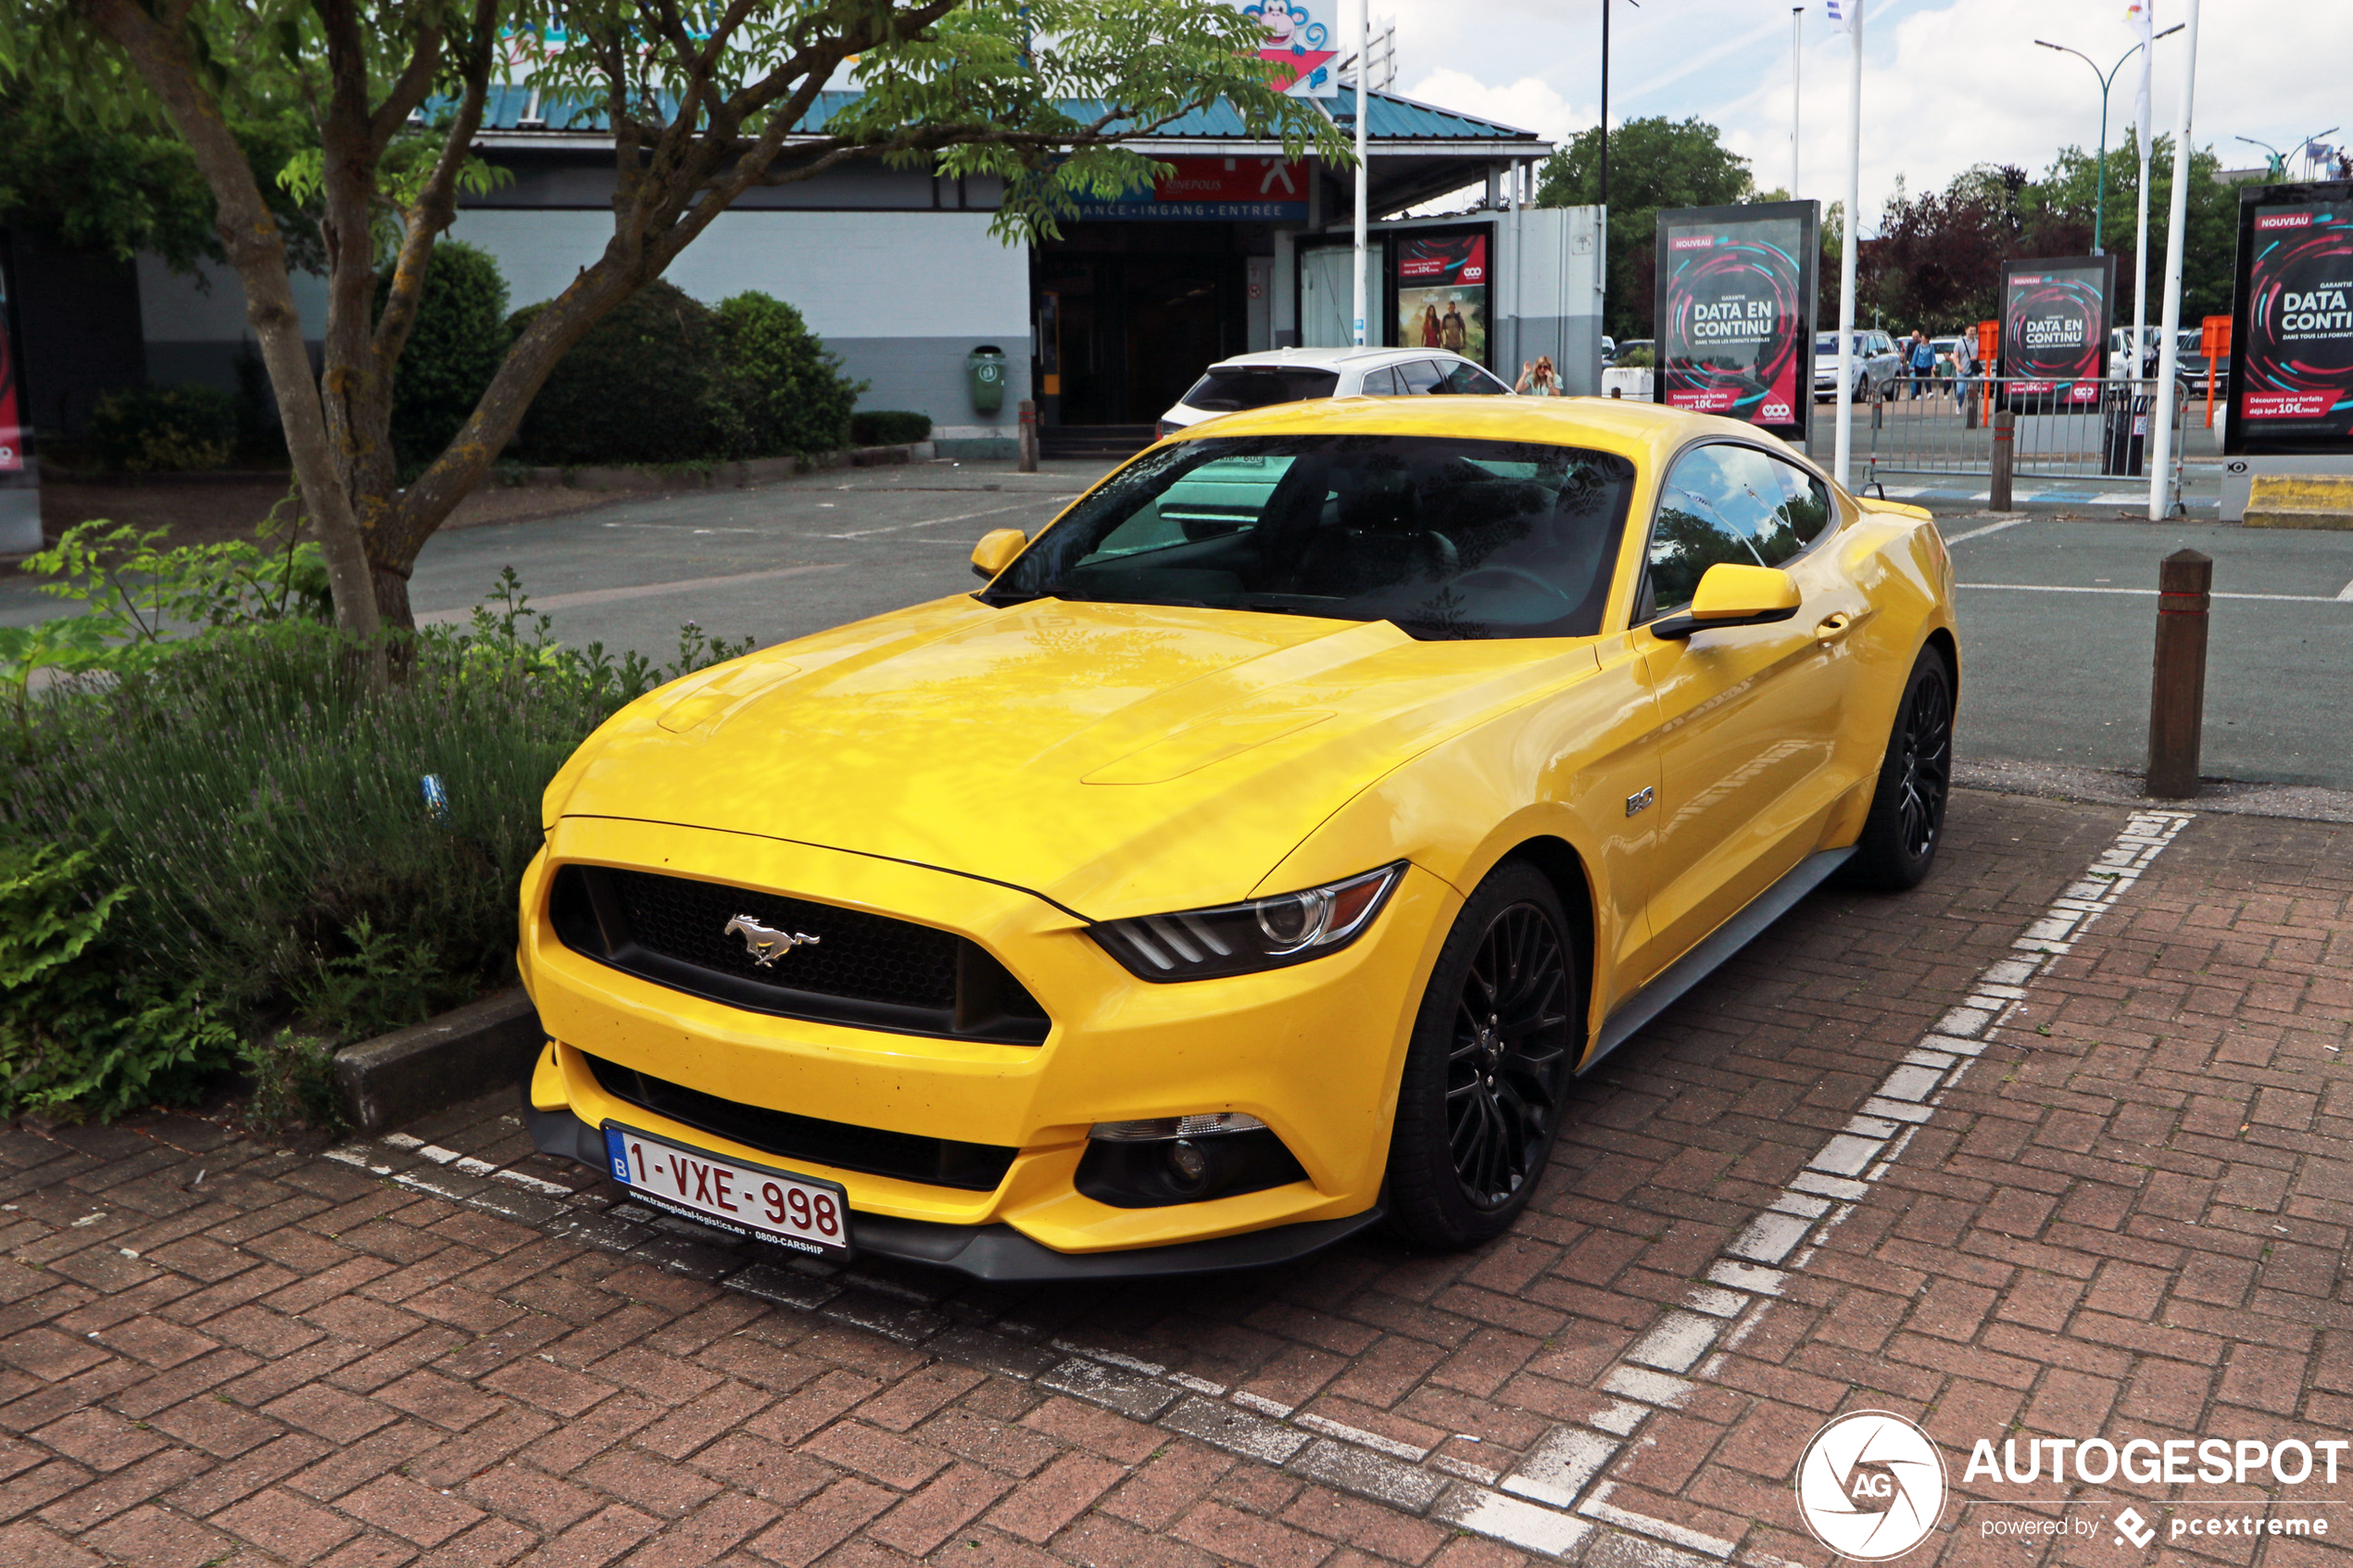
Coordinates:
1028 436
2177 692
2004 426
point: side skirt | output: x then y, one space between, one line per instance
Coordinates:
1717 945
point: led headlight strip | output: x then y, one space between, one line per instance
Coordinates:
1241 938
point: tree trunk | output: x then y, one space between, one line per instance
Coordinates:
158 50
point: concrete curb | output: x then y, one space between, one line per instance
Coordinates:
412 1072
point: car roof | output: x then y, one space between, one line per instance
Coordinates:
1328 358
1647 433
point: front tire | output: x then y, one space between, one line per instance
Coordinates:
1494 1046
1906 821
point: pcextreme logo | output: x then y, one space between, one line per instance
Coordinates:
1871 1485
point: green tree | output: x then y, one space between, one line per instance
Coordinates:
2066 194
1653 163
1042 94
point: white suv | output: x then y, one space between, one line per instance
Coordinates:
1295 375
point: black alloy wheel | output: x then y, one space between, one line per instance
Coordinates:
1907 821
1494 1043
1511 1043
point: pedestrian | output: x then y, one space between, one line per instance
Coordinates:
1922 356
1964 364
1538 380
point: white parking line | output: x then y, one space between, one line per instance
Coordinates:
2344 598
1981 532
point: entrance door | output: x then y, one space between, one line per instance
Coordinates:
1178 309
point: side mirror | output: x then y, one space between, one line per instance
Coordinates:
1735 596
996 551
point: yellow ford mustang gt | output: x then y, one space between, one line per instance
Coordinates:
1257 856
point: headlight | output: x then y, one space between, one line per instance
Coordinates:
1239 938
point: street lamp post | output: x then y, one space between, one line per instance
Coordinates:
2099 202
2277 170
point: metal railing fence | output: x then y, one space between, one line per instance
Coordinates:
2061 430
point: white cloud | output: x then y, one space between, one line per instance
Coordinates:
1946 84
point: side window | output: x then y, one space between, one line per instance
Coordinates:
1693 532
1801 513
1416 377
1773 507
1381 382
1465 378
1488 384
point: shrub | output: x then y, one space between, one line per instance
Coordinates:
454 349
181 428
639 388
95 1011
1636 360
889 427
780 390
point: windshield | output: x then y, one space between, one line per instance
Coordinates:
1827 343
1256 386
1446 538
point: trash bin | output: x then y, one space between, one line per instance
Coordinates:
985 369
2125 434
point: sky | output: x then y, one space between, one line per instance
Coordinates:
1946 84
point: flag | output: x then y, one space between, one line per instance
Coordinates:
1842 14
2136 16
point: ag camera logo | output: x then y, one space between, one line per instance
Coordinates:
1871 1485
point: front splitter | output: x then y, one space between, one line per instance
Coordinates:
1001 1255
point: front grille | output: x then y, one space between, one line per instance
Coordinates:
865 970
975 1167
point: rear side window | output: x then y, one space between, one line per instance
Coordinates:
1470 379
1417 377
1381 382
1259 387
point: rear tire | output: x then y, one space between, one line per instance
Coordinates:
1906 821
1494 1044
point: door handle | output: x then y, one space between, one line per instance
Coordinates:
1833 627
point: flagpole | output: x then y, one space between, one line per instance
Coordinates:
1796 89
1364 41
2141 224
1843 459
2169 347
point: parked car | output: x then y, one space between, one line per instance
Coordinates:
1640 349
1294 375
1255 858
1609 349
1876 365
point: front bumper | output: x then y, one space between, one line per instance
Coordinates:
1001 1255
1313 1051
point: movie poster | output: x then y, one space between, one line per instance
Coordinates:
2055 329
1735 312
1442 291
2292 328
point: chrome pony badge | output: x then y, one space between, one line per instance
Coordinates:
765 943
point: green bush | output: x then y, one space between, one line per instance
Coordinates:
1636 360
95 1013
182 429
780 391
454 349
889 427
639 388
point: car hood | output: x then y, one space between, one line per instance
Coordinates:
1115 758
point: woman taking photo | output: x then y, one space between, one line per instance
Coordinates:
1538 380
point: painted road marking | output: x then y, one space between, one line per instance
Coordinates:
2344 598
1981 532
642 591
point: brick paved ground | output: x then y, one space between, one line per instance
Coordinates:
211 1350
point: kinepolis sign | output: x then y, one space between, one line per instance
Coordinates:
2292 326
1735 312
2055 329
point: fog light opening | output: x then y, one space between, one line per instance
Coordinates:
1155 1161
1186 1161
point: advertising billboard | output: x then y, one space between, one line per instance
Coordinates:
1439 282
13 435
2292 321
2054 328
1735 312
1299 44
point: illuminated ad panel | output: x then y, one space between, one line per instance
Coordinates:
2055 329
2292 321
1735 312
